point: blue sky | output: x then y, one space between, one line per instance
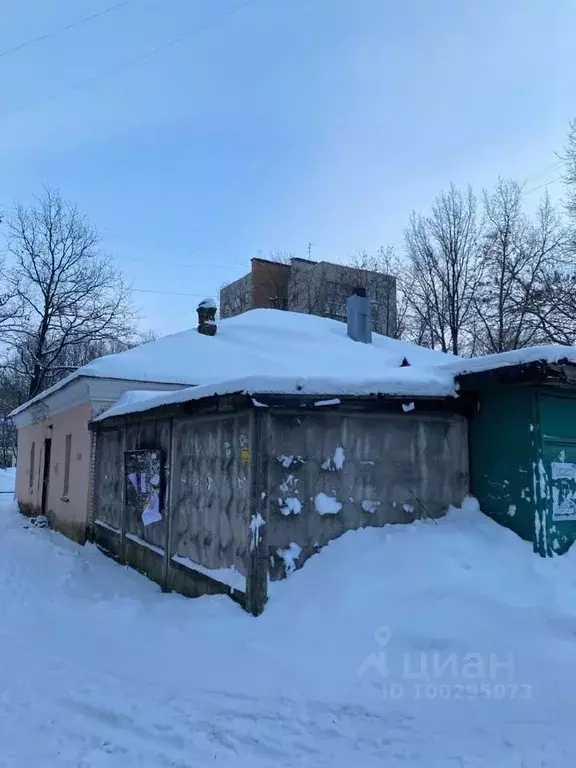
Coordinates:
287 122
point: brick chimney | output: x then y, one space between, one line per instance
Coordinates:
207 317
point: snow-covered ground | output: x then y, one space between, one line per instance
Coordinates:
98 668
7 483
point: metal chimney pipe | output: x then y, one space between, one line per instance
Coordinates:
359 316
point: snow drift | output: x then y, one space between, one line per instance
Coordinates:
430 644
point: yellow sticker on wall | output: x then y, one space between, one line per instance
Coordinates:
245 453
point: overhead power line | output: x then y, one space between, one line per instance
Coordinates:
65 28
167 293
555 166
536 174
186 265
541 186
89 81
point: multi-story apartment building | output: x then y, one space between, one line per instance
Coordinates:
313 287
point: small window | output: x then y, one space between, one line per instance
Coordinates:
31 470
67 464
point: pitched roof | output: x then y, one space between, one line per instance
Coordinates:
268 350
259 343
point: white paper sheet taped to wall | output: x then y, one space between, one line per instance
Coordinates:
151 512
563 470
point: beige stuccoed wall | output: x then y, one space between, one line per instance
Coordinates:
71 515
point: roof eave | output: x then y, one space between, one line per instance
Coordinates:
233 401
45 393
534 373
76 376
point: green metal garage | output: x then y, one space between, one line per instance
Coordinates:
522 434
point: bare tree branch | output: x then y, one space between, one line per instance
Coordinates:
69 294
444 269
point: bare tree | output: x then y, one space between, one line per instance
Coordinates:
8 305
13 390
526 288
69 293
444 269
569 158
80 354
552 299
511 267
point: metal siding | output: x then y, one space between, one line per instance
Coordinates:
503 455
558 431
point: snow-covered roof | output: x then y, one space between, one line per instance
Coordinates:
411 381
262 342
545 354
272 351
428 376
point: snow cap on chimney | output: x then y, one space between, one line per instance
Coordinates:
207 317
359 316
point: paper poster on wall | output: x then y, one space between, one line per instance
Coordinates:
564 510
151 512
563 470
144 487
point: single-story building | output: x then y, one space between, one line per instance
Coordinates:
226 487
55 451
